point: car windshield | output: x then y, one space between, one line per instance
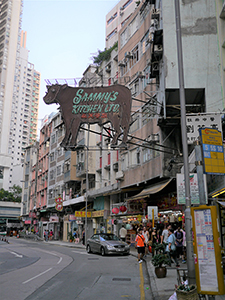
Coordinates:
108 237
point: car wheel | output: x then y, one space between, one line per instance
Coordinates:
102 251
88 249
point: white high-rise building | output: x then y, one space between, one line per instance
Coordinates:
10 16
24 116
18 95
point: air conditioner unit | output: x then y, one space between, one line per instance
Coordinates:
42 193
122 8
155 13
158 49
141 74
119 175
121 13
115 166
128 55
108 68
148 61
121 63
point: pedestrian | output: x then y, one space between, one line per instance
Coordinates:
171 247
164 236
140 245
184 246
46 235
83 237
146 235
179 242
51 235
123 233
154 240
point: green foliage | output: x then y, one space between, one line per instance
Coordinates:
104 55
70 236
160 258
13 196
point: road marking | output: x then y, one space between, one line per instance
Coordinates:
51 253
17 255
59 261
37 276
141 283
80 252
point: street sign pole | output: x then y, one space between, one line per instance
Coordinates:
188 223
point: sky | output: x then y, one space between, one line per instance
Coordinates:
62 37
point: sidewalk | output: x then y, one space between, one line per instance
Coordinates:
162 288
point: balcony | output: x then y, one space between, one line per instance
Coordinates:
80 169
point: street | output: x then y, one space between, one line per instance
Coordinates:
37 270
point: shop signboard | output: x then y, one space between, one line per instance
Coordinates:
98 213
196 121
207 251
91 105
181 199
213 152
82 214
155 209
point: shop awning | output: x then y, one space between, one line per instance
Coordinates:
153 189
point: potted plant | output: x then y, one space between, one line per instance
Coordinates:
70 236
160 260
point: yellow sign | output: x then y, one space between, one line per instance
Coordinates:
213 153
98 213
139 218
82 214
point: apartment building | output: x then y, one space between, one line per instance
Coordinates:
116 19
10 15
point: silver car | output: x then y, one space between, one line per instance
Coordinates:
107 243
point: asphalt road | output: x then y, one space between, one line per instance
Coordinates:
32 270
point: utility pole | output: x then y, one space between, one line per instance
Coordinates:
188 222
87 185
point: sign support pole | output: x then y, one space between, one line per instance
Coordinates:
188 223
199 168
87 185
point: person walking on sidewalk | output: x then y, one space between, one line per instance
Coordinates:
179 242
140 245
171 247
123 233
146 235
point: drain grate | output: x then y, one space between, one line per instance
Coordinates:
93 258
121 279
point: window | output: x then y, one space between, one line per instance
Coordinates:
127 4
112 18
135 157
52 156
125 161
53 139
135 56
112 33
59 170
145 43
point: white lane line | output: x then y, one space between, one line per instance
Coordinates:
51 253
17 255
80 252
59 261
37 276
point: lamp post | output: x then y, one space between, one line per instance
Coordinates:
87 185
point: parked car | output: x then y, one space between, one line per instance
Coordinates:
107 243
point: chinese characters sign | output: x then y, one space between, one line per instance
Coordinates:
193 189
213 152
195 122
59 204
82 214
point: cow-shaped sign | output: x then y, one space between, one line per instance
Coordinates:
92 105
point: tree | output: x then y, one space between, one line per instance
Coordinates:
104 55
13 196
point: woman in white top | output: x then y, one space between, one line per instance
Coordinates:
146 235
